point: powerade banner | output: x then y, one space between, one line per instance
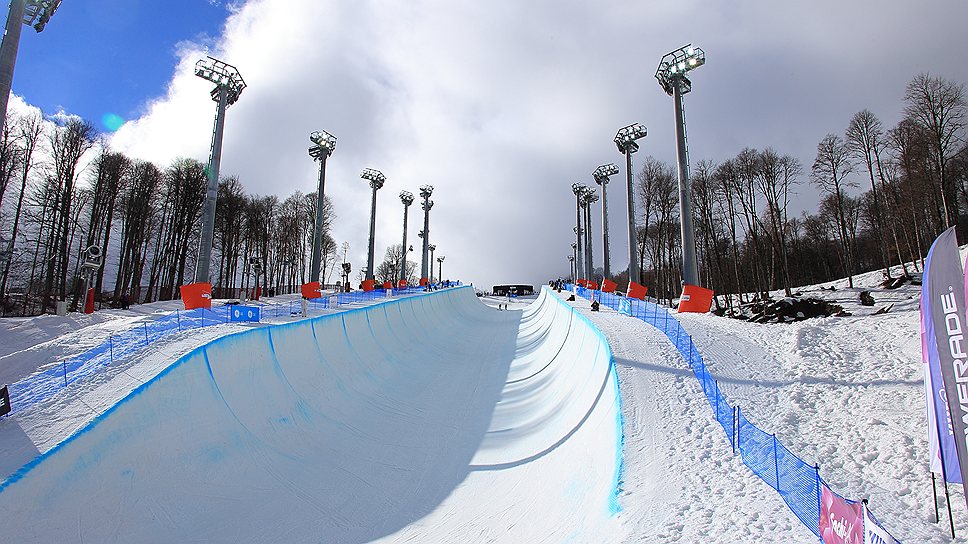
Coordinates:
934 396
4 401
943 307
841 521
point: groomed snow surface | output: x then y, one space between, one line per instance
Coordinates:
438 419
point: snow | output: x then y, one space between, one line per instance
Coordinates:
843 392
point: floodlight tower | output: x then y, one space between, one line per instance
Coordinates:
376 179
571 267
407 198
432 248
625 142
601 175
228 86
440 268
425 192
29 12
588 199
574 260
323 145
578 189
671 75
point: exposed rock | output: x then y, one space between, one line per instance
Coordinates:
786 310
866 299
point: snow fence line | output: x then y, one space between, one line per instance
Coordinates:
43 384
798 482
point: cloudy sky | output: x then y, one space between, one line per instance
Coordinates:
499 105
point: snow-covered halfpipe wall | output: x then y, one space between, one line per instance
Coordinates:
430 418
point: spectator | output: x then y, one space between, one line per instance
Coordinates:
125 301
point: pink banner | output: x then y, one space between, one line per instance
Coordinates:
841 521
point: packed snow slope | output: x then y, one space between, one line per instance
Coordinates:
431 418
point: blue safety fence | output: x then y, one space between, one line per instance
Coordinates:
797 481
44 384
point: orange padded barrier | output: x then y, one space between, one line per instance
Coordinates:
608 286
197 295
637 291
695 299
311 290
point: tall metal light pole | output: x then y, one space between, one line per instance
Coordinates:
376 179
425 192
578 189
407 198
323 145
28 12
601 175
574 260
571 267
625 142
588 199
432 248
671 75
440 268
228 86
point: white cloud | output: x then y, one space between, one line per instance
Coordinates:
502 105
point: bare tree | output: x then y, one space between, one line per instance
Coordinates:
939 106
863 139
830 170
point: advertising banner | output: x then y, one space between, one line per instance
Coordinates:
608 286
625 307
841 521
874 533
241 313
197 295
943 304
4 401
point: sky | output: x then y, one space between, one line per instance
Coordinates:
500 106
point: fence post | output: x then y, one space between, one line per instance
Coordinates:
819 503
716 383
776 464
65 373
735 428
146 334
111 347
178 316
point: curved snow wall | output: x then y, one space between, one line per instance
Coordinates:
429 418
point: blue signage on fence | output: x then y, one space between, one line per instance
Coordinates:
4 401
625 307
244 313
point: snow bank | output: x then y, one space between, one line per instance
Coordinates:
430 418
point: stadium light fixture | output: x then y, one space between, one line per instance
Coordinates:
406 197
579 190
589 198
625 141
431 248
671 75
376 179
440 268
35 13
228 86
324 144
425 265
601 175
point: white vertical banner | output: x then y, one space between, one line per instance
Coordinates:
873 532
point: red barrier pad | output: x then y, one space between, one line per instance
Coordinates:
591 285
402 284
369 285
637 291
581 283
608 286
89 301
196 295
695 299
388 285
423 281
311 290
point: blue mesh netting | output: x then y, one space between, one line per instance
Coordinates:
797 482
